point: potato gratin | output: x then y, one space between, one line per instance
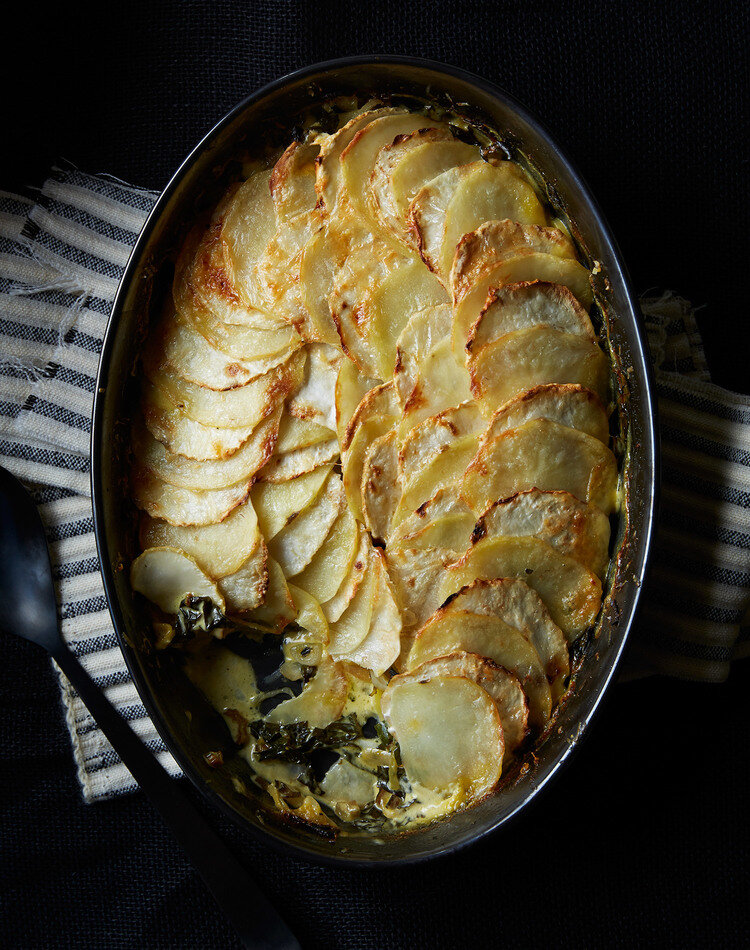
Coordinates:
372 459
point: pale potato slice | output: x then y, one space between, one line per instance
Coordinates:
352 626
571 593
277 504
278 609
442 382
185 506
516 268
166 575
288 465
528 304
353 458
347 587
436 434
310 616
297 433
449 733
573 527
185 472
218 549
408 288
351 388
278 271
249 225
445 469
426 215
246 342
490 192
445 503
292 182
382 644
184 436
527 358
460 631
567 403
502 686
294 546
423 331
320 702
245 590
315 400
451 532
405 166
542 454
515 603
381 484
320 261
379 401
326 573
359 156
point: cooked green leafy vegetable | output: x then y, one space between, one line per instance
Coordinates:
293 742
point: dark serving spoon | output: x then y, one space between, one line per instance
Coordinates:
30 611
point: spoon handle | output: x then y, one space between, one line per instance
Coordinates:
257 922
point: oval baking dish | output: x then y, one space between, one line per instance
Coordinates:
185 725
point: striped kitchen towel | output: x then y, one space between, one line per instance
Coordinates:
62 253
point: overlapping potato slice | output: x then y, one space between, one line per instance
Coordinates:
573 527
185 506
528 304
566 403
218 549
322 257
381 484
502 686
278 503
450 630
249 224
515 603
315 400
542 454
437 434
294 546
426 215
312 620
379 401
292 182
185 472
328 572
380 647
570 593
445 503
524 359
246 589
442 382
424 330
404 166
321 700
449 732
297 433
278 608
166 575
348 586
373 418
350 628
285 466
351 388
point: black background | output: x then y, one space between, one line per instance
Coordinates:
644 838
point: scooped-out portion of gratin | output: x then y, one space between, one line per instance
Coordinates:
372 459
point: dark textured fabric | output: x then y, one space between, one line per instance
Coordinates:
643 839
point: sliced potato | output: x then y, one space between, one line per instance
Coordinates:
246 342
382 644
333 561
353 459
218 549
320 702
347 586
277 504
278 609
321 259
527 358
292 182
449 733
567 403
502 686
528 304
185 506
442 382
166 575
426 215
286 466
381 484
297 433
315 400
249 225
246 589
490 192
424 330
436 434
294 546
278 271
459 631
571 593
377 402
351 388
352 626
572 527
310 616
542 454
445 503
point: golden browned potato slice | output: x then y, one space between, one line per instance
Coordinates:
528 304
292 182
277 609
424 330
249 225
502 686
245 342
381 486
442 382
185 506
333 560
542 454
312 620
567 403
379 401
166 575
297 433
489 192
380 648
351 388
573 527
246 589
353 458
322 257
515 603
527 358
315 400
285 466
349 630
449 733
320 702
185 472
436 435
277 504
571 593
295 545
408 288
426 215
453 631
445 503
218 549
405 166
